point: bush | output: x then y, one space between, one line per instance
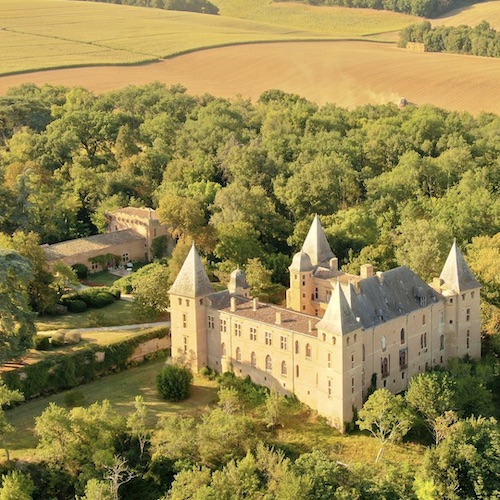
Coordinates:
81 270
41 343
101 299
73 398
174 382
76 306
56 310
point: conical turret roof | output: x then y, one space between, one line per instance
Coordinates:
339 318
316 245
456 273
192 280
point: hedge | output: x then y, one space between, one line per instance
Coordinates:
58 372
95 297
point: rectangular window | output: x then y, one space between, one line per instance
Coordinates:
223 326
467 315
268 338
237 329
253 333
184 321
403 358
441 317
185 345
329 360
352 385
211 322
423 301
316 293
468 339
352 360
283 342
329 388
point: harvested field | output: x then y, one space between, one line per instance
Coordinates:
347 73
472 15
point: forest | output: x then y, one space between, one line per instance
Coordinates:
482 40
422 8
392 186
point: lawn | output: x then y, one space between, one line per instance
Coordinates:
121 312
120 390
62 33
102 278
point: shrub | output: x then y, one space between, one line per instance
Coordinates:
73 398
81 270
174 382
42 343
101 299
76 306
55 310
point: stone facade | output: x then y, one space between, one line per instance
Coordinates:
131 232
338 331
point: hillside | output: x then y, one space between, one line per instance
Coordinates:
472 15
61 33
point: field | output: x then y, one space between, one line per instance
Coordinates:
347 73
61 33
472 15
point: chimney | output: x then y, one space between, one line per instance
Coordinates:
334 264
278 317
310 326
380 276
437 283
255 303
233 304
366 271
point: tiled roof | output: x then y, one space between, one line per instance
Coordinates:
99 242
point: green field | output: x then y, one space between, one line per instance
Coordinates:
62 33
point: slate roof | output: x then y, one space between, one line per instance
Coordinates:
316 245
97 243
389 295
301 262
339 318
192 280
456 274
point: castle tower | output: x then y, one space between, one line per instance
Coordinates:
339 380
462 311
315 252
188 312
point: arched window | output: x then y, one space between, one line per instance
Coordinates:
269 363
385 367
223 349
323 337
238 354
363 350
383 344
334 340
308 350
283 369
253 359
348 340
441 342
297 347
355 337
403 339
423 319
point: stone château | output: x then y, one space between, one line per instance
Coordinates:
338 334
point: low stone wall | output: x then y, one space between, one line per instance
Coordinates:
149 347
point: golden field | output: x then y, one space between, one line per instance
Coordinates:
46 34
472 15
347 73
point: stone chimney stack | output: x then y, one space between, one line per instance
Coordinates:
233 304
255 303
278 317
366 271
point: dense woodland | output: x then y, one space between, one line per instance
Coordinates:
392 186
202 6
422 8
482 40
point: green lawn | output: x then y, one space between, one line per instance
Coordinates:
63 33
102 278
120 390
119 313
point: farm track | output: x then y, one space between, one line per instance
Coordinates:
348 73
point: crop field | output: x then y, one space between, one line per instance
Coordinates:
60 33
472 15
346 73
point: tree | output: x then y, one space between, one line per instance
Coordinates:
386 416
432 394
464 465
273 414
175 438
17 328
7 397
16 486
174 382
136 423
150 291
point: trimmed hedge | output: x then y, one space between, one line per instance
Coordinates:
95 297
75 306
59 372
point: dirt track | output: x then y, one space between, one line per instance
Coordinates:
347 73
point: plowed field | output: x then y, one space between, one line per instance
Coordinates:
347 73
